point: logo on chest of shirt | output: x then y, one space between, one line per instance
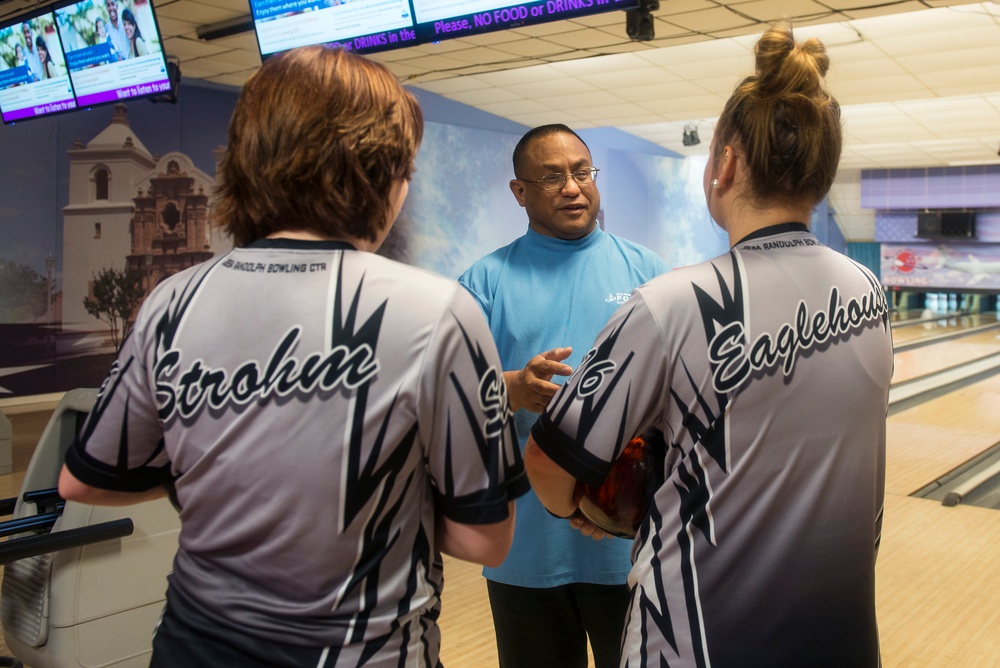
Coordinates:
618 297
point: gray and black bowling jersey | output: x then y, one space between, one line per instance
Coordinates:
768 371
317 406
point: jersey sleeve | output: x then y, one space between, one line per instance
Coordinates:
617 391
473 455
121 447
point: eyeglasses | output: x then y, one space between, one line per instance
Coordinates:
558 181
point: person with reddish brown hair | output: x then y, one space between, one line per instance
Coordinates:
767 369
328 421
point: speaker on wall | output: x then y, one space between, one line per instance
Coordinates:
946 225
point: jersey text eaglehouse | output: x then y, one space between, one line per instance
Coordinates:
735 362
282 375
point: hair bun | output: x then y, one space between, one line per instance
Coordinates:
784 67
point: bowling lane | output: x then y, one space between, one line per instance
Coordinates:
934 357
938 325
930 439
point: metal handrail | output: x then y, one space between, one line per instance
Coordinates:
31 546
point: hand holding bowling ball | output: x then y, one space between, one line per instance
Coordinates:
620 504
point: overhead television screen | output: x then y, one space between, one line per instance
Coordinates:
113 50
368 26
33 77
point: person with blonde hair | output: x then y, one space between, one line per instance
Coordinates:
328 421
767 369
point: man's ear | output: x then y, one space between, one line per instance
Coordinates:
517 188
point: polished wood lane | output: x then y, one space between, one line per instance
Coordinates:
916 362
939 324
937 585
466 622
929 440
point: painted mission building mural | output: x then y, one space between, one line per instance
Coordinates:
129 210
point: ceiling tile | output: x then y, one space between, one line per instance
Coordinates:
483 96
774 10
586 38
915 84
199 13
516 107
709 20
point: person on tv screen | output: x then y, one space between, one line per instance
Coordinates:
48 67
116 30
101 37
318 497
136 44
31 58
20 61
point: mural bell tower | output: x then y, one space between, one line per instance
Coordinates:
129 210
170 221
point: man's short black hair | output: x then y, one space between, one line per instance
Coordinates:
537 133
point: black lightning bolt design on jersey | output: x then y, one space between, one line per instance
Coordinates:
768 371
314 407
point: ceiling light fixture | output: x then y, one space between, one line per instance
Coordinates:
639 23
226 28
690 136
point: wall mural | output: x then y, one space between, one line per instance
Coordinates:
125 190
952 266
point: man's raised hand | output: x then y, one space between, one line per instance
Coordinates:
532 386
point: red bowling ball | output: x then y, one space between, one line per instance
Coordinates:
620 504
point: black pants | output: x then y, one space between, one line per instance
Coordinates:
548 628
185 637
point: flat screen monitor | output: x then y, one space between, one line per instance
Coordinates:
113 50
946 225
368 26
34 80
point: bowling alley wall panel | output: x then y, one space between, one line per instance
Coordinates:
908 258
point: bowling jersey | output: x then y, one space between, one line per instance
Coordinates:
540 293
768 371
316 407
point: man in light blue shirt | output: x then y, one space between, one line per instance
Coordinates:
546 296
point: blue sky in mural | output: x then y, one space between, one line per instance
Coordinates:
460 206
459 198
660 202
685 233
688 233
